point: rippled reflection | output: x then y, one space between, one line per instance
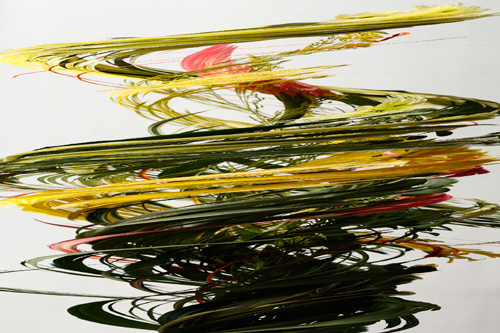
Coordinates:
277 205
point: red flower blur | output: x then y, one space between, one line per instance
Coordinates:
216 60
477 170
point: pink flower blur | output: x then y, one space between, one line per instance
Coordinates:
203 60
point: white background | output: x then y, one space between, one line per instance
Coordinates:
39 110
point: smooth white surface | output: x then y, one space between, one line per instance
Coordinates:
38 110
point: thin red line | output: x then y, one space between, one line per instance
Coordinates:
51 69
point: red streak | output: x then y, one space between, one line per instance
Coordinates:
393 36
143 175
17 196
